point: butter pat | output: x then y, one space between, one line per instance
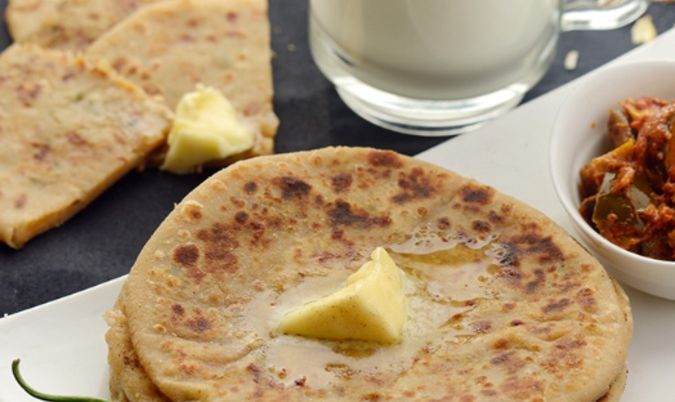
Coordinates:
205 128
371 307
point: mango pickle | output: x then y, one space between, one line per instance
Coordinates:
619 127
594 172
614 216
628 193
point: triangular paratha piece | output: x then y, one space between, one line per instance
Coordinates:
68 130
170 47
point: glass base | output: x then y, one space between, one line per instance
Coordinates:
417 116
582 16
425 118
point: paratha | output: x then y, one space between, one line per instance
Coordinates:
66 24
169 47
130 383
68 129
503 305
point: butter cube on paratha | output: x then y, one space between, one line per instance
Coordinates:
68 130
169 47
66 24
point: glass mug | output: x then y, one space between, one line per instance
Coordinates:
439 67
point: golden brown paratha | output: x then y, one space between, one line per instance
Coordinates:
129 378
169 47
130 383
66 24
503 305
68 130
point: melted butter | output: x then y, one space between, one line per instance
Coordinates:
457 274
324 362
442 287
425 241
265 311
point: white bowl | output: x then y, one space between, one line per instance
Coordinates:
580 133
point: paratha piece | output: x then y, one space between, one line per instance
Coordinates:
68 130
66 24
503 305
170 47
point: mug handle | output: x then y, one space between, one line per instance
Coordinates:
599 15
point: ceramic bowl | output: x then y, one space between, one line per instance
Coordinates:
580 133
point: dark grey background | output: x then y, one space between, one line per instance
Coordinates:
101 242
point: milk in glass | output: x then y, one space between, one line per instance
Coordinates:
440 49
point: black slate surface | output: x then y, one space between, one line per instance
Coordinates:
101 242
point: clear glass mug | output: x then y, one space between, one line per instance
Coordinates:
440 67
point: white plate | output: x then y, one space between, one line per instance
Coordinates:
61 343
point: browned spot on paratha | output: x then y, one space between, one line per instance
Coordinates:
522 388
341 182
415 185
241 217
538 281
219 241
586 299
192 213
481 327
219 260
509 361
292 187
250 187
178 310
218 235
556 306
385 159
565 356
494 217
443 223
41 151
481 195
198 324
481 226
529 245
20 201
344 214
186 255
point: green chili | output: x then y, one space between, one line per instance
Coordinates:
46 397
